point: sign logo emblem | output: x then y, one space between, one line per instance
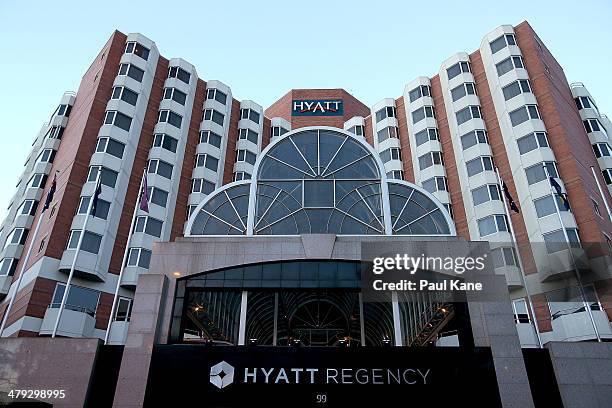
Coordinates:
221 374
317 107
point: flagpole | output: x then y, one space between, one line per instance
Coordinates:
123 261
601 193
569 247
520 260
76 255
22 271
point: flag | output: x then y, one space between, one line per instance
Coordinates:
95 197
50 193
511 202
559 191
144 195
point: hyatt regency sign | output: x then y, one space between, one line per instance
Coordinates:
254 376
317 107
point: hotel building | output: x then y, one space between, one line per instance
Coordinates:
258 216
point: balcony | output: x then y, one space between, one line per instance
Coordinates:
527 335
118 332
76 321
576 325
5 285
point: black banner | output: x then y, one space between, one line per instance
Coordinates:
227 376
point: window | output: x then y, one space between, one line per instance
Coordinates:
516 88
167 116
458 68
46 156
478 165
607 175
124 310
483 194
510 63
79 299
596 206
139 257
467 113
388 132
429 159
28 207
175 95
492 224
245 156
536 172
132 47
158 196
148 225
55 132
118 119
396 174
110 146
249 114
190 209
556 241
38 180
132 71
165 141
279 130
108 177
570 300
519 306
422 113
462 90
207 136
502 42
435 184
393 153
208 161
200 185
584 102
241 175
523 114
419 92
248 134
64 110
386 112
504 256
214 115
125 94
102 207
593 125
16 237
8 266
532 141
601 150
545 206
179 73
426 135
319 194
473 138
160 167
91 242
217 95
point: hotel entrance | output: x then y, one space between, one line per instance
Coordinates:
308 303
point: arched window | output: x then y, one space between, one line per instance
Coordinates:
319 180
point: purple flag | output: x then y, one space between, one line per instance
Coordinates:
144 195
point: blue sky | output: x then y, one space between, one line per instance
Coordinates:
261 49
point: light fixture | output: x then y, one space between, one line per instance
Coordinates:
176 274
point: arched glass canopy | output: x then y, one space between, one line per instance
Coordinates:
319 180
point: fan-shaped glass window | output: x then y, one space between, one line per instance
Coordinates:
225 213
414 213
318 181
